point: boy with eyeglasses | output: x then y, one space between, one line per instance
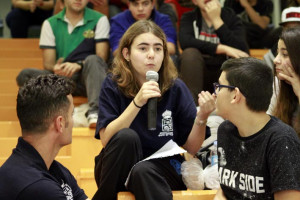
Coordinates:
258 154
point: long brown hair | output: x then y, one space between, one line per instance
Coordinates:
122 70
287 100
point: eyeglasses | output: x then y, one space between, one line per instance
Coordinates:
217 87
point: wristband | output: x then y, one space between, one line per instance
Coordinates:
136 104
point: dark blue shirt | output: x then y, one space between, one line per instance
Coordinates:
25 176
121 22
176 112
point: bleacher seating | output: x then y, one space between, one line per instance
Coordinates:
258 53
17 54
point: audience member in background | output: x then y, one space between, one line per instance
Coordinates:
259 155
290 17
113 7
286 99
27 13
122 122
44 108
98 5
208 35
141 10
256 17
70 41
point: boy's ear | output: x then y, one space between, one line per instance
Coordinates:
236 95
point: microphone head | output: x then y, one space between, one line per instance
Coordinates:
152 76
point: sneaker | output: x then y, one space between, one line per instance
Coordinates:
92 119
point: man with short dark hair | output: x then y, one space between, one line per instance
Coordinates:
75 44
44 108
258 154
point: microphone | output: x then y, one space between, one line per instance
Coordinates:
152 102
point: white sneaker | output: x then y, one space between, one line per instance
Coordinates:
79 118
92 119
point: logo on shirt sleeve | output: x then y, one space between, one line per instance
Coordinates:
67 190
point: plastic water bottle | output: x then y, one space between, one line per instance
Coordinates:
214 153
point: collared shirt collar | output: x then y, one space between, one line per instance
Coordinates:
84 20
31 153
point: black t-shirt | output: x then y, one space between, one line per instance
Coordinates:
257 166
25 176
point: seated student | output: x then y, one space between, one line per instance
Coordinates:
44 108
27 13
208 36
122 122
286 99
75 45
113 7
258 154
289 18
140 10
256 17
98 5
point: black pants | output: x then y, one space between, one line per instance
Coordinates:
149 180
19 20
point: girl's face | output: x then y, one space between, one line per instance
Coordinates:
282 60
146 54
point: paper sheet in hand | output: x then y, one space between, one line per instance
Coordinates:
169 149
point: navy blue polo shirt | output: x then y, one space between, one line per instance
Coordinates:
25 176
176 112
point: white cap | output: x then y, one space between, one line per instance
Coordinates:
291 14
